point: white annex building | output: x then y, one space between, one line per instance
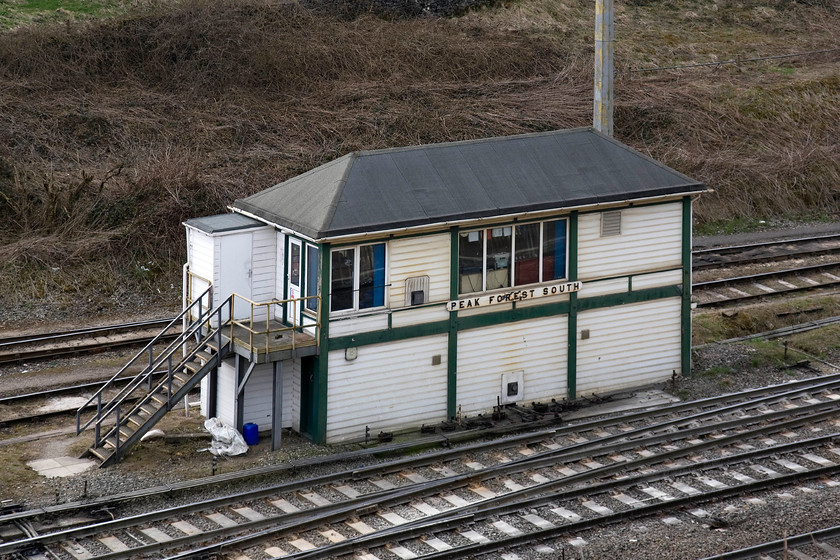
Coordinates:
395 288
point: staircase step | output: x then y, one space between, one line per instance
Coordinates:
100 453
183 377
161 400
139 418
205 356
193 366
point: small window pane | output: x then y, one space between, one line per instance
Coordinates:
294 264
341 289
372 276
554 250
470 251
497 265
311 277
527 261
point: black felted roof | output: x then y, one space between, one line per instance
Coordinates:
223 222
379 190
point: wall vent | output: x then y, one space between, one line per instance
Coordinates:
611 223
513 386
416 290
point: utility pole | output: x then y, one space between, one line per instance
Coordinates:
602 110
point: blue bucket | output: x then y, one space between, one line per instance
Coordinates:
251 433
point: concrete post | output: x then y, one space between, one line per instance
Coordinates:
602 111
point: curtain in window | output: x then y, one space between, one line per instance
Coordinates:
554 250
527 261
470 261
341 288
311 277
371 276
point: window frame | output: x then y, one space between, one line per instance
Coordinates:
356 276
512 281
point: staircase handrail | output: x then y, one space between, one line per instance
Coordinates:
295 325
166 382
143 377
148 349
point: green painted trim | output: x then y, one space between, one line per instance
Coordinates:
319 391
685 351
452 329
571 330
286 243
457 323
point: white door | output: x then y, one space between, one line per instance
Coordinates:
295 275
235 272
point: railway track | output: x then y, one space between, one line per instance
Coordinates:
526 491
710 293
79 341
718 257
824 543
752 286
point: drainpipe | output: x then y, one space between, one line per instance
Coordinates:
602 110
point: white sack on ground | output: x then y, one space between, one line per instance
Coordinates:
226 440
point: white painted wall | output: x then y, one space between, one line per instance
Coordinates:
375 321
628 345
537 347
225 391
387 387
651 239
426 255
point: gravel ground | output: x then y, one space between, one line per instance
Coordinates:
159 463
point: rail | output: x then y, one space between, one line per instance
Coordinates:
148 350
262 313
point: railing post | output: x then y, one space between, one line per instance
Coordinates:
169 378
117 433
98 420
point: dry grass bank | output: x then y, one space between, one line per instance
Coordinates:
113 131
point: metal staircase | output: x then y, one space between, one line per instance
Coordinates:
168 373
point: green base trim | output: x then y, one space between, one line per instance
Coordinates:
455 324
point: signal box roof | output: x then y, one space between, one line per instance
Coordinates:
380 190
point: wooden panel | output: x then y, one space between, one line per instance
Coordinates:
226 390
604 287
259 392
537 347
409 316
651 239
351 325
657 279
387 387
263 264
426 255
200 249
628 345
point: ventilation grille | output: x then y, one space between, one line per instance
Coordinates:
611 223
416 290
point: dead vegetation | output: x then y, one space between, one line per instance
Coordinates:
114 131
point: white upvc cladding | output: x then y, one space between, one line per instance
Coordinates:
426 255
375 321
387 386
263 265
628 345
538 348
200 253
408 316
225 392
258 397
650 239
